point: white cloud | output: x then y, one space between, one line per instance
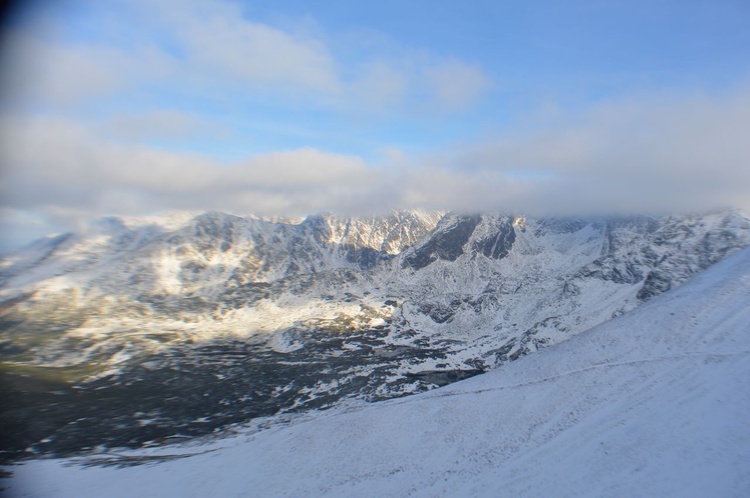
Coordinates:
216 38
657 153
162 123
39 71
456 84
380 84
58 164
213 50
645 156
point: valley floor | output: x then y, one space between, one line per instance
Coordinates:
652 403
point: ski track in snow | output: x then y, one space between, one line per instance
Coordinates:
594 367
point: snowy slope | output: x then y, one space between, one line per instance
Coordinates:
652 403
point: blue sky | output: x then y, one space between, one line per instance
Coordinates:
134 107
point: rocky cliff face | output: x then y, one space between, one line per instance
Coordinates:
232 318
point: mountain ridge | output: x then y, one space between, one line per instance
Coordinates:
314 312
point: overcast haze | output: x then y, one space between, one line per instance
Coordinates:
288 108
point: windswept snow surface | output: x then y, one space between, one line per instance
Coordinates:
652 403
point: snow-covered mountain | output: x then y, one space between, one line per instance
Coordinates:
193 323
652 403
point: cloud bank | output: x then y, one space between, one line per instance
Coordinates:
651 155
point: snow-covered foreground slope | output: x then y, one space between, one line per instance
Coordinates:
652 403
